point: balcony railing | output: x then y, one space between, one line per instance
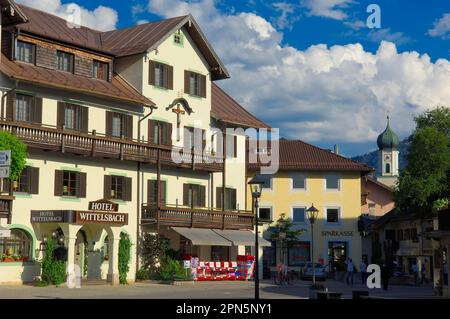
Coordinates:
93 144
196 217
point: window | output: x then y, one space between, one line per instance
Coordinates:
267 181
116 125
24 107
25 51
332 182
178 38
119 124
152 192
230 198
69 183
161 75
194 195
298 182
265 213
160 128
64 61
332 215
72 117
231 146
22 184
299 253
17 247
117 186
194 137
100 70
195 84
298 214
388 168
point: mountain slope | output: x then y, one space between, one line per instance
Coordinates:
371 158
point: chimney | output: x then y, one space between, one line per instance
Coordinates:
336 149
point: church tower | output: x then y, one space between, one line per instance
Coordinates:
388 143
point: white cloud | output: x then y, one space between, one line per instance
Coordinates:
378 35
441 27
327 94
286 19
333 9
101 18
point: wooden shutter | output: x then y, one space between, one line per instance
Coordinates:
10 102
37 112
203 86
151 131
218 197
151 72
128 122
170 77
81 185
61 116
33 179
107 180
151 186
58 182
186 82
233 198
168 133
162 192
128 189
202 191
5 186
109 120
186 194
84 125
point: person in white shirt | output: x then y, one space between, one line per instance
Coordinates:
350 270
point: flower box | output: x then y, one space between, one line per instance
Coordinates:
8 259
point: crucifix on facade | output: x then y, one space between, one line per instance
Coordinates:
179 112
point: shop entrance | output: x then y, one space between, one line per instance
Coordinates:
337 255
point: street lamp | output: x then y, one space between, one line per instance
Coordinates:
256 184
312 217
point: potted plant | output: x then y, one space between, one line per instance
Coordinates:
313 288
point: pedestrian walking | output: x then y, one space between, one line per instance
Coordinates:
363 270
415 271
350 271
385 275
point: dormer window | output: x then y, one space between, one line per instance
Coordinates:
65 61
25 51
178 38
100 70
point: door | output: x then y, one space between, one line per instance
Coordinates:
337 255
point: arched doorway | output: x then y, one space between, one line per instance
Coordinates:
81 252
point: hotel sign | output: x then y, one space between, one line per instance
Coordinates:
50 216
101 218
337 233
103 205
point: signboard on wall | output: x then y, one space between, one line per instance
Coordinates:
51 216
101 218
103 205
337 233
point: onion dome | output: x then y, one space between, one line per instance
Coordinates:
388 139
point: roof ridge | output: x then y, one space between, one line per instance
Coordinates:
231 98
143 24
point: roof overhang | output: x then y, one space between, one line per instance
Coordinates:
11 13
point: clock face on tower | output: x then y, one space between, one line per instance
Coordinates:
387 158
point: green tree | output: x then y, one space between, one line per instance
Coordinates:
53 271
124 258
426 178
284 232
18 153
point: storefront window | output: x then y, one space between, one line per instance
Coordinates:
299 253
17 247
337 255
219 253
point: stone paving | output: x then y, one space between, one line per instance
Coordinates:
204 290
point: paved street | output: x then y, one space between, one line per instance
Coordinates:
202 290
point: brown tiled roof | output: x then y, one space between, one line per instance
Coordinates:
298 155
118 88
226 109
55 28
123 42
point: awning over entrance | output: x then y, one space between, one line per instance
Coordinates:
4 232
200 236
242 237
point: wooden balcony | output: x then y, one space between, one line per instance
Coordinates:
96 145
197 217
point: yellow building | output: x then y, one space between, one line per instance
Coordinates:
309 175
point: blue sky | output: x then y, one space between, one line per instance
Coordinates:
317 71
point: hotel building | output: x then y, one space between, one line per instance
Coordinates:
121 135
